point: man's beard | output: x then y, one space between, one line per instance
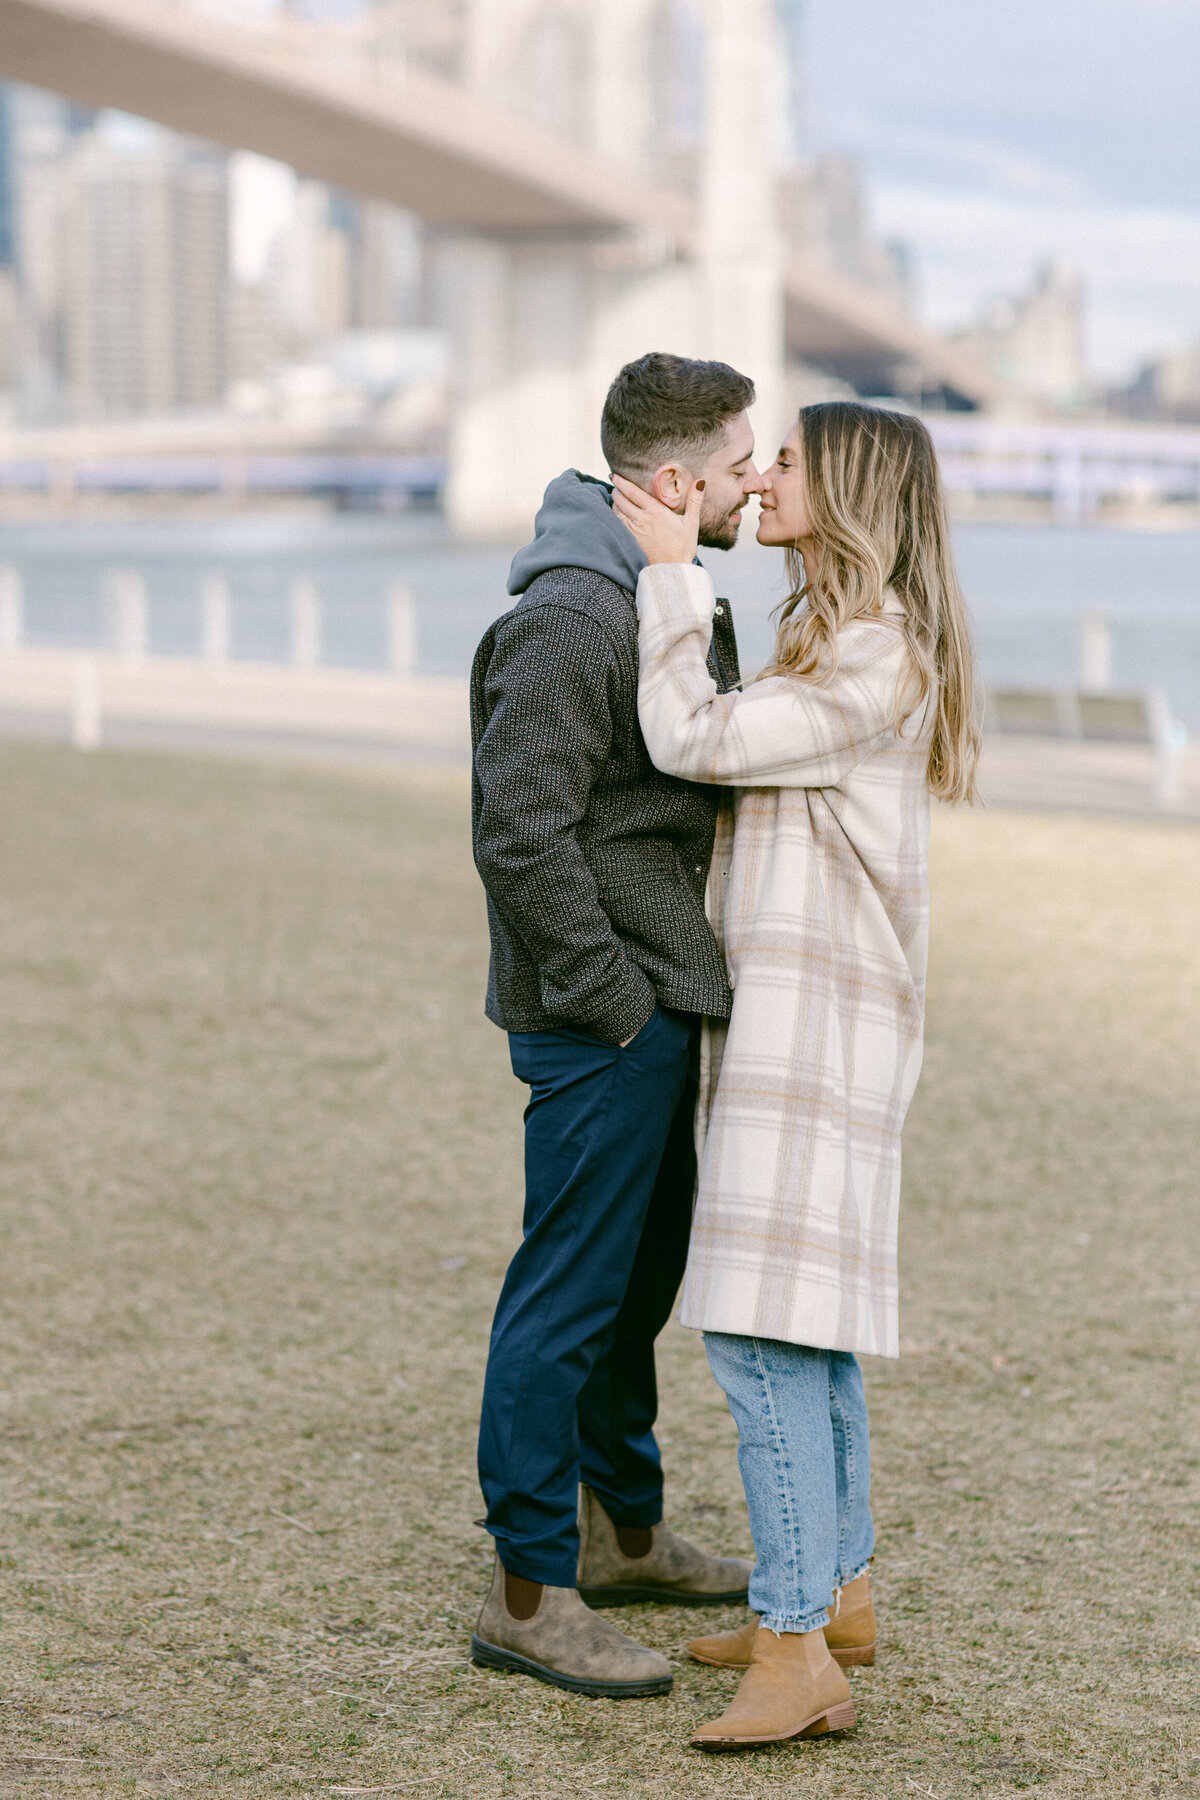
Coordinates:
720 533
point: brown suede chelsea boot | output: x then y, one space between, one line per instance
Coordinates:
563 1642
672 1571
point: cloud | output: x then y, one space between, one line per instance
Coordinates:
933 156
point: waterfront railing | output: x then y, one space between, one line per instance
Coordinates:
125 682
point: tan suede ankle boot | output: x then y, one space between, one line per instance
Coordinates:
851 1633
793 1688
726 1649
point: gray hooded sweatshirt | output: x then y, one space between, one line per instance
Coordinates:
576 528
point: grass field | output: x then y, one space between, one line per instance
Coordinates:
260 1181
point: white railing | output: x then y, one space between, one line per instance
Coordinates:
1095 712
126 679
1098 717
127 618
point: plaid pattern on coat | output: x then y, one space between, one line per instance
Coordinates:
818 894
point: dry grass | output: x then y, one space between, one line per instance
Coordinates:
259 1183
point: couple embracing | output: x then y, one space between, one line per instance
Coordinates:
708 911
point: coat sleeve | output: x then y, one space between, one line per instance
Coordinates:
783 731
548 708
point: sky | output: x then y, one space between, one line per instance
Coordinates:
997 134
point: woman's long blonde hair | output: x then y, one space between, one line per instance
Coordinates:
875 500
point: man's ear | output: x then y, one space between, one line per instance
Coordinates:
671 483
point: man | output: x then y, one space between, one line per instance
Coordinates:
603 963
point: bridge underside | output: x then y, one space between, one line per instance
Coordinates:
858 336
285 91
551 267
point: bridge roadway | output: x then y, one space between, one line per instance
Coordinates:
309 97
1079 467
305 95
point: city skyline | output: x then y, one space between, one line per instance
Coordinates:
888 187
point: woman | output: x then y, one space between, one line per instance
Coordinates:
819 895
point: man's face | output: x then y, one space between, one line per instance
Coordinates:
729 477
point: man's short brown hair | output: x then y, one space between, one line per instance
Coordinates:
661 408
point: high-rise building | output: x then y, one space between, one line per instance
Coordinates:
8 181
44 130
119 235
8 251
144 254
311 262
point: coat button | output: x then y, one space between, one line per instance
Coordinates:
718 612
699 868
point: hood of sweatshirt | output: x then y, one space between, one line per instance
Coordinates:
576 528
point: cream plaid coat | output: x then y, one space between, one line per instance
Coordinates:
819 897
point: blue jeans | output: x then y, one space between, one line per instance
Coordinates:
570 1391
804 1453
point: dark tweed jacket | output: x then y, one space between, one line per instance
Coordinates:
595 864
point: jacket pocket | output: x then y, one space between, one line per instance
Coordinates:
655 911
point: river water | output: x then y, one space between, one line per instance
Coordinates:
1028 586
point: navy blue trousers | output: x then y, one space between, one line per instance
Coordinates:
570 1392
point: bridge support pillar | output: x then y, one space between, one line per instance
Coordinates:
540 326
740 266
518 314
539 331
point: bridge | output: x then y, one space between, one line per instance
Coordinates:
314 97
1074 471
570 229
1077 469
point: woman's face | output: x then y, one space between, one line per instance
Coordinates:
785 519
